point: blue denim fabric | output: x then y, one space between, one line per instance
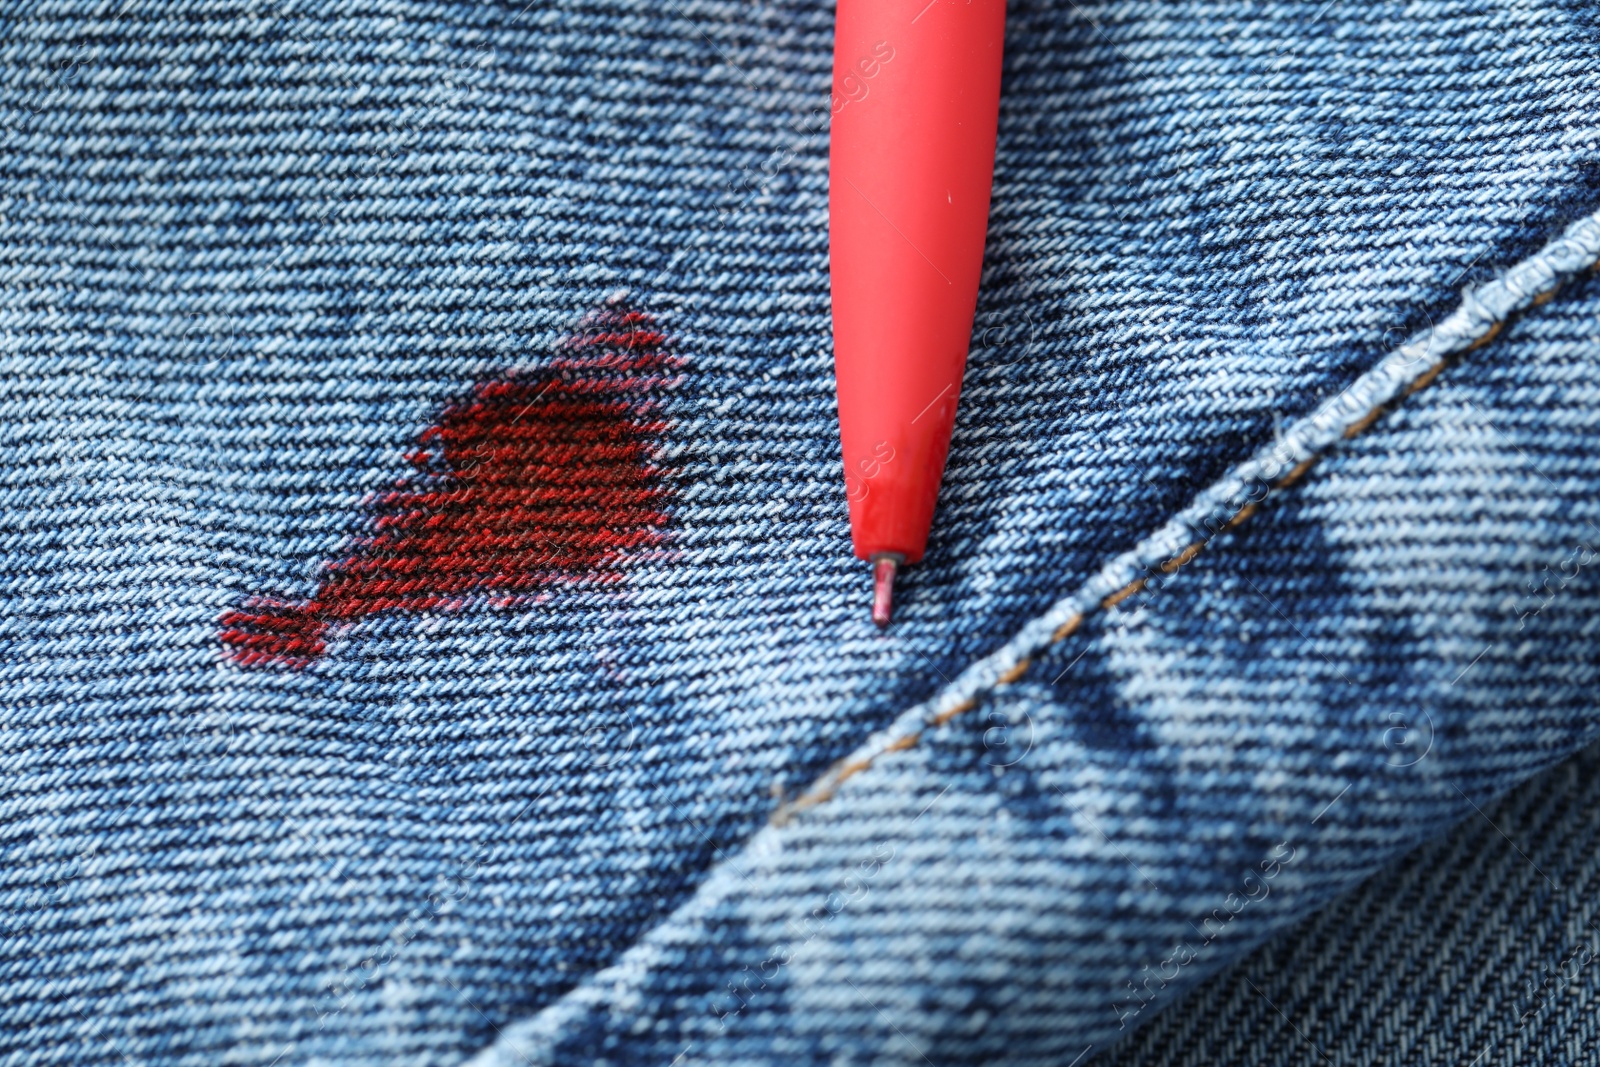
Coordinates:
1148 781
249 253
1457 954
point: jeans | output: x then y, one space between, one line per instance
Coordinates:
1497 915
430 628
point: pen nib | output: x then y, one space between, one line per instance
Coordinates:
883 570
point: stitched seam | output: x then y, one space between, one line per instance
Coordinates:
1230 502
1475 323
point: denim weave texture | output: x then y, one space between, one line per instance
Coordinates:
1480 947
1188 771
257 258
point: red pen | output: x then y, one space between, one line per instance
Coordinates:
916 98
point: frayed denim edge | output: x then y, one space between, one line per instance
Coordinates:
1227 503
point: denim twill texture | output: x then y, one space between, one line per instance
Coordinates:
1023 876
250 253
1461 952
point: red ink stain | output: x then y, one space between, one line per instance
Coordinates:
532 480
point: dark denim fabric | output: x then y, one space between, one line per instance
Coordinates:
259 262
1479 948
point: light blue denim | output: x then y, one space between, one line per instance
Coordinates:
1032 863
250 252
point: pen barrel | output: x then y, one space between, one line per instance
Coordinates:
916 97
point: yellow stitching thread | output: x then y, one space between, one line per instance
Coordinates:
1293 476
1015 672
961 708
1492 333
1183 557
1360 425
1066 629
854 768
1426 378
1242 516
1123 594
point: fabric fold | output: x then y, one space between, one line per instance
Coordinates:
1197 766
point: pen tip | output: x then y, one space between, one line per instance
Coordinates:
883 571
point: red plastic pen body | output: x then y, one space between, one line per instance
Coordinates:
911 158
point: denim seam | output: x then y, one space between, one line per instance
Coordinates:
1226 504
1231 501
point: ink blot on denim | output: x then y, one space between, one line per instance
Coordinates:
531 482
